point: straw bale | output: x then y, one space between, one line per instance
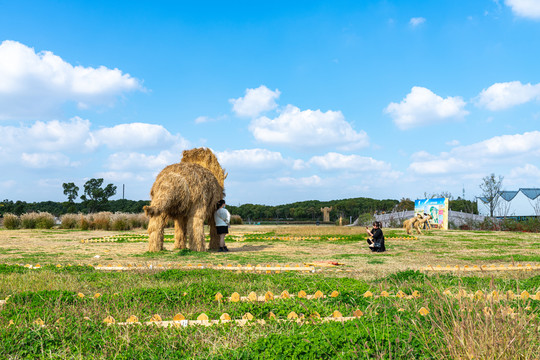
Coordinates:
188 193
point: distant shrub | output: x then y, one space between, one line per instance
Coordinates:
367 219
236 220
29 220
11 221
345 221
489 224
120 222
138 221
532 225
83 224
69 221
101 220
44 220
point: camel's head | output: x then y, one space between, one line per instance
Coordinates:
206 158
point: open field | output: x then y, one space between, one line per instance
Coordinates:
321 243
375 306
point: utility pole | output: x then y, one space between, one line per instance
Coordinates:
123 191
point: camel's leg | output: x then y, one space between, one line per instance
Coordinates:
156 225
407 226
214 236
180 225
418 228
196 233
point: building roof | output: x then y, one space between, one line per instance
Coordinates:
531 193
508 195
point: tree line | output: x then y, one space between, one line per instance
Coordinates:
96 197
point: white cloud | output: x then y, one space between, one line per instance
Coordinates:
255 102
308 128
355 163
34 84
137 136
118 176
500 96
46 160
51 136
7 184
526 171
251 159
133 161
422 107
415 21
202 119
525 8
453 142
310 181
496 150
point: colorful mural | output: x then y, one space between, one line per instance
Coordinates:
437 208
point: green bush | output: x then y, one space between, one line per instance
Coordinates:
29 220
44 220
236 220
11 221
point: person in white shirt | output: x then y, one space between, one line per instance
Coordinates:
222 219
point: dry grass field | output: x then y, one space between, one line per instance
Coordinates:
345 245
59 311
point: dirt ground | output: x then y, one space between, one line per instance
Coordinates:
436 247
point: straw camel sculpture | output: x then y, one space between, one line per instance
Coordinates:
425 221
412 222
186 192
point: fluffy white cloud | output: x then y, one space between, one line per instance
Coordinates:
355 163
308 128
525 8
422 107
472 157
502 96
33 84
121 176
310 181
415 21
526 171
502 146
51 136
251 159
46 160
255 102
133 161
137 136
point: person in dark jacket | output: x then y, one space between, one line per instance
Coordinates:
376 242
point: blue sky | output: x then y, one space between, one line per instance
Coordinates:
300 100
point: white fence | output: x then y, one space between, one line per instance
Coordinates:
456 217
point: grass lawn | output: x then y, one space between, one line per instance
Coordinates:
58 312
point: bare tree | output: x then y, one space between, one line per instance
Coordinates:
503 208
491 189
536 205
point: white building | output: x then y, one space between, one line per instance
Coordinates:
523 202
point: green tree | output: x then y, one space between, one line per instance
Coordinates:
491 189
71 191
405 204
95 196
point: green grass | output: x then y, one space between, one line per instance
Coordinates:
381 331
507 257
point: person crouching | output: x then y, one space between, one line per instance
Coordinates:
376 242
